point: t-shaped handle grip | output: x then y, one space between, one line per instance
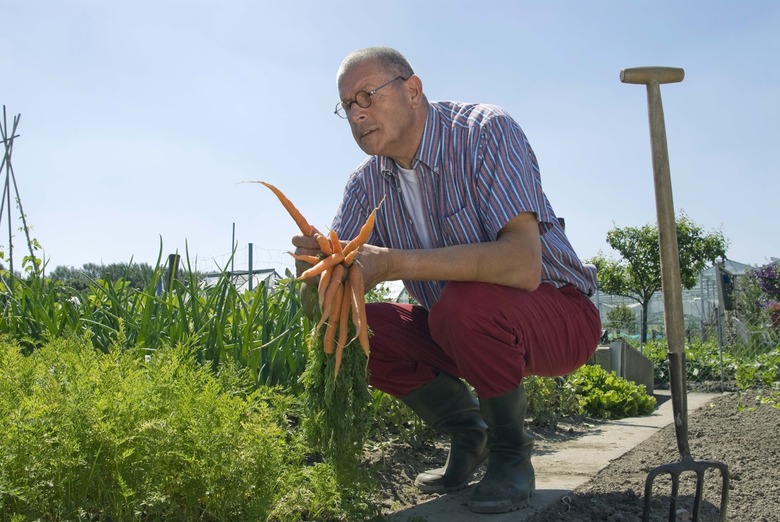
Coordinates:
647 75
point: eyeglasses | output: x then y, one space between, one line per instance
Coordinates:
362 98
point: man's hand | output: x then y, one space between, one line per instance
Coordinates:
305 245
372 263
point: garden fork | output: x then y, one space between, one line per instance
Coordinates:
672 294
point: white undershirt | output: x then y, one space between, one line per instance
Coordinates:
410 187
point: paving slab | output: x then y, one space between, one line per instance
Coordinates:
560 472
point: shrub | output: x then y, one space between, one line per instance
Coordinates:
763 371
550 399
604 395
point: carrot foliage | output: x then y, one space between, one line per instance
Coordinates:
338 413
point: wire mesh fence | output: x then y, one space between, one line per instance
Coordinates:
729 319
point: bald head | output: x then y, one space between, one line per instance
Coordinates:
387 59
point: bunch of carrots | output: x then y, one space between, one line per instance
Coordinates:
341 295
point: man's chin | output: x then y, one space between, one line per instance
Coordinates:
368 148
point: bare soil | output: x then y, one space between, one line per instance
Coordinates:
736 429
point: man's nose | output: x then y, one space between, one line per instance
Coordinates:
356 112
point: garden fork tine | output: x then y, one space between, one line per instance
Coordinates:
671 286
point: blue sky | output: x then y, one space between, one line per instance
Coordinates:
139 118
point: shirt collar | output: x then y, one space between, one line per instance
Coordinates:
428 151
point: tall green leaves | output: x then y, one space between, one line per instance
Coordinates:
263 330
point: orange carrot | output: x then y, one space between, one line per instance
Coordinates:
339 356
363 235
324 244
334 240
322 286
343 300
359 308
328 343
328 339
330 294
349 258
331 260
312 260
346 306
303 224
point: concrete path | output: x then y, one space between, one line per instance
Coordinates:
560 472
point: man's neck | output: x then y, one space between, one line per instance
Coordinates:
418 128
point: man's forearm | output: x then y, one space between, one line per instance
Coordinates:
513 259
481 262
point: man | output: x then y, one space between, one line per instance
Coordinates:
465 224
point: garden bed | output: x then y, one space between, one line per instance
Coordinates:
735 429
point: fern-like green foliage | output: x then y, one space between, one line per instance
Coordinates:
338 409
92 436
337 419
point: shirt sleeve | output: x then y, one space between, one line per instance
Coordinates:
509 177
352 211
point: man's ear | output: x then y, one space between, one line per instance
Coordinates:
415 90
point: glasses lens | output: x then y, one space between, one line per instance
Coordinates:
363 99
341 110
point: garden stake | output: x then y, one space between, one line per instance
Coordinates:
672 293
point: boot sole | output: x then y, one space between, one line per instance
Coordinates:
500 507
449 489
441 489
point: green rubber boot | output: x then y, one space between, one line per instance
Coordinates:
509 482
446 404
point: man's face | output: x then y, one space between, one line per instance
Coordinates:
378 129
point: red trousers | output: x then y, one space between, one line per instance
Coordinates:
492 336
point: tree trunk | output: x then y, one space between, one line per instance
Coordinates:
643 334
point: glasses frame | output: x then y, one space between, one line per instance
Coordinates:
343 108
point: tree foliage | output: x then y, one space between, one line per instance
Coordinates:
637 273
621 319
137 274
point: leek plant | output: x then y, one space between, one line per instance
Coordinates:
263 330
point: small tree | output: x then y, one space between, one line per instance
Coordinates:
637 275
621 319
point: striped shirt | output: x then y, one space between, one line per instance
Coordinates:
477 171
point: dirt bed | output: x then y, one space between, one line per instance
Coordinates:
745 439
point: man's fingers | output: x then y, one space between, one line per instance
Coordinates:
304 246
305 242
